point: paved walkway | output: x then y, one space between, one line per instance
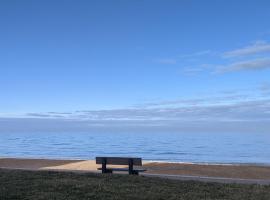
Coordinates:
168 176
209 179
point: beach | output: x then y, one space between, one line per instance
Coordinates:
161 169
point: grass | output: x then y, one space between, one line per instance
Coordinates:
37 185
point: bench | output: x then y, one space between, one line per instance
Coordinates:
104 161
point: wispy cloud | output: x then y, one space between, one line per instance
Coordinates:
255 64
240 110
166 61
38 115
258 59
264 33
186 57
49 114
239 116
197 54
192 70
265 88
225 108
203 101
197 69
255 48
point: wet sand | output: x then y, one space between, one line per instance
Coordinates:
178 169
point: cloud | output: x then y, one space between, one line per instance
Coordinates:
190 110
256 48
47 115
166 61
258 59
255 64
265 88
60 113
258 53
196 69
192 70
190 55
264 33
38 115
210 100
187 57
228 111
240 116
196 54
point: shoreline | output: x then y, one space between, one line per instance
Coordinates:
144 161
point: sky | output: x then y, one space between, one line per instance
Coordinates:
150 65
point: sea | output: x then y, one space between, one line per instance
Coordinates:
219 148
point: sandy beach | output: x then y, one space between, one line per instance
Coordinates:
184 169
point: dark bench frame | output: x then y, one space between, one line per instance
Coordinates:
104 161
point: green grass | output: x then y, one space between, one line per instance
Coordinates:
15 184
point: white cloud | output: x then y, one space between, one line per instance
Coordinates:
196 54
240 112
227 108
187 57
257 47
192 70
241 116
203 101
265 88
166 61
255 64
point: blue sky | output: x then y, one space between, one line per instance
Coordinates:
177 61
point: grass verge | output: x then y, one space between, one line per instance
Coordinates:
44 185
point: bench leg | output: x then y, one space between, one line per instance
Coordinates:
135 173
130 167
104 168
109 171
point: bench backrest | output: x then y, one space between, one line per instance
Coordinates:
119 161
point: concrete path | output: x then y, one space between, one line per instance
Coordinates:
209 179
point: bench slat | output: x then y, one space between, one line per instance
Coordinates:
119 161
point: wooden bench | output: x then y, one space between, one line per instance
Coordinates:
104 161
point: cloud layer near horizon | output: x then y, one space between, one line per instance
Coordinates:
238 116
241 111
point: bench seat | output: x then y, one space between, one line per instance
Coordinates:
123 169
104 161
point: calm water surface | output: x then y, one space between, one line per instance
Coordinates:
176 147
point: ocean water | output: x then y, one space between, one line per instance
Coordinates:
172 147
